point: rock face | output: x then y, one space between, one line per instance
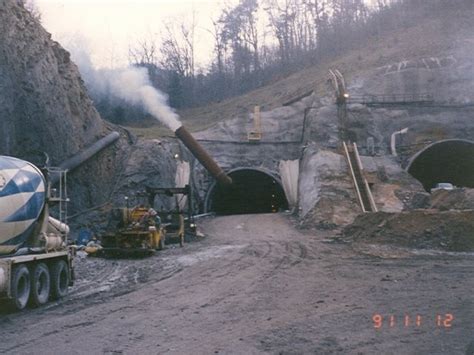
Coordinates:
147 163
44 105
308 130
446 75
326 193
327 198
150 163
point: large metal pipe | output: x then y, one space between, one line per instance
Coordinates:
204 158
86 154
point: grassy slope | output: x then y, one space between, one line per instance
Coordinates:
432 37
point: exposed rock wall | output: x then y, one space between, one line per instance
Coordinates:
327 195
150 163
446 75
44 105
146 163
227 143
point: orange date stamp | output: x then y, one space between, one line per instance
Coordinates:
380 321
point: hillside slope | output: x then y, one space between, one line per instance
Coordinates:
436 36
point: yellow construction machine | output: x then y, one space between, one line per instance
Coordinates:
133 231
173 219
141 230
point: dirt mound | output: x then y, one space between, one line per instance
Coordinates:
458 199
425 229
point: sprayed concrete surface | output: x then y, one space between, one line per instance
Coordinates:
256 285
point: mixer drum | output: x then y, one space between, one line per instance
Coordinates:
22 198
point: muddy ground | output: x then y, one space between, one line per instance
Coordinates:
254 285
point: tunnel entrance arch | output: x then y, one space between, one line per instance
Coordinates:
254 190
450 160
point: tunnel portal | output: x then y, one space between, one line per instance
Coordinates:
445 161
252 191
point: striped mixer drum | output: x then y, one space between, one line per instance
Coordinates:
22 199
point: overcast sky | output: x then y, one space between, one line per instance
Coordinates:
108 27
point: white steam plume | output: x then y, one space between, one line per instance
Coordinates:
133 85
129 84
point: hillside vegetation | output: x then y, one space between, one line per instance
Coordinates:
434 33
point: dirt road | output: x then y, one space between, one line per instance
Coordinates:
254 285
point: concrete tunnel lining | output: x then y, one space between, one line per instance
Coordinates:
450 160
254 190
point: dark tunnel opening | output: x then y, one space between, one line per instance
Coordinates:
252 191
446 161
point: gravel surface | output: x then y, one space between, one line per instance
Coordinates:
255 284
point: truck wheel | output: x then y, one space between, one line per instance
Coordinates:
59 279
21 286
40 285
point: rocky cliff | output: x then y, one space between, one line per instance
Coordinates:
44 105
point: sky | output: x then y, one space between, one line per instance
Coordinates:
106 28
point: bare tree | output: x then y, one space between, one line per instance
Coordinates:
188 32
144 53
220 44
280 17
177 48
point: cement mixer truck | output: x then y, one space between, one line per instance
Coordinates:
36 265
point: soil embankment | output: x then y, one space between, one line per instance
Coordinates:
425 229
